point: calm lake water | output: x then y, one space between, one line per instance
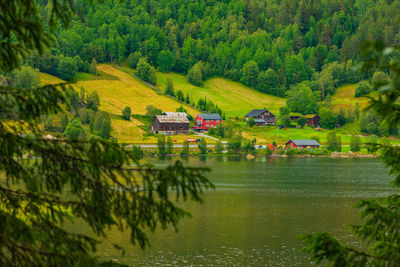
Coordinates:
258 209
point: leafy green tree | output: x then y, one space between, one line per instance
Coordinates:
74 101
327 118
169 146
133 59
82 95
250 73
362 89
169 87
355 143
180 95
165 61
379 228
338 143
203 146
379 77
185 148
296 69
152 111
26 78
152 78
284 111
301 99
285 121
143 69
332 141
85 115
235 144
98 121
250 121
93 101
67 68
301 121
64 122
195 75
161 145
106 128
268 82
248 147
93 67
219 147
268 151
126 113
75 130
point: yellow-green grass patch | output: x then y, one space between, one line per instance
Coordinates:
344 98
235 99
128 91
46 79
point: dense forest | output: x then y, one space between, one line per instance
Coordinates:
268 45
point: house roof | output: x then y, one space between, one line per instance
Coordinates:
257 112
259 121
179 114
310 116
173 119
295 114
305 142
210 116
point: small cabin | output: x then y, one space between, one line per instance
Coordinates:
294 116
312 120
262 116
169 125
303 144
204 121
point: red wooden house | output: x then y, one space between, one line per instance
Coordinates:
205 121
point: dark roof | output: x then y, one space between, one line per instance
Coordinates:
256 112
259 121
210 116
310 142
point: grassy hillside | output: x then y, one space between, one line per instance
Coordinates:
128 91
344 98
117 90
235 99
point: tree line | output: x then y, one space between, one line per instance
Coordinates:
268 45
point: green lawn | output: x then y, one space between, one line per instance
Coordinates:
235 99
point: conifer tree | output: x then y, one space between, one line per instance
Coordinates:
104 190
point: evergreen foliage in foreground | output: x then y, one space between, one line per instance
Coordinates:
62 180
380 231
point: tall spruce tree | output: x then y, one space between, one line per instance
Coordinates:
104 190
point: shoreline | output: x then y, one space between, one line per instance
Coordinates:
251 156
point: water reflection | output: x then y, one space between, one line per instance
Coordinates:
258 209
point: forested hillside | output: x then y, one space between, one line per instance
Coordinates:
268 45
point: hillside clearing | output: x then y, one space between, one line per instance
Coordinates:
128 91
344 98
234 99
